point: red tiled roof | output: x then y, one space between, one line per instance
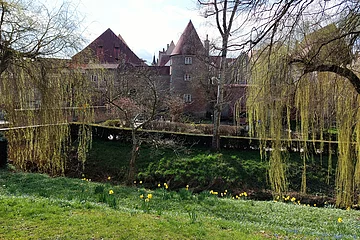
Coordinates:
109 48
189 42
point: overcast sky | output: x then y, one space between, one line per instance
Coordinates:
146 25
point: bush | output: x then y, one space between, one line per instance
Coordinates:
205 171
225 130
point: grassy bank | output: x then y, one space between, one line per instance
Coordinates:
235 169
35 206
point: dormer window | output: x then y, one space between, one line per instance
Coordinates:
188 60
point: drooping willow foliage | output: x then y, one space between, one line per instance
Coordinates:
319 103
40 97
267 100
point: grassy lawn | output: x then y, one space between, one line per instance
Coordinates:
35 206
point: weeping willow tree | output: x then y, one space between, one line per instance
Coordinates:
268 98
301 87
40 94
40 98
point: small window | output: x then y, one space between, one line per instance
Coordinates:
187 98
213 80
132 92
187 77
188 60
94 78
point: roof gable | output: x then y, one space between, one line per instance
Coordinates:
108 48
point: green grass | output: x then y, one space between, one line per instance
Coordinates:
242 169
35 206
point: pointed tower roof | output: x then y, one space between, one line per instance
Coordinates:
189 42
108 48
154 61
170 48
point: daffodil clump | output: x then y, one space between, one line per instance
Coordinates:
146 202
242 196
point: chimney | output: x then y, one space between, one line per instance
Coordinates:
207 46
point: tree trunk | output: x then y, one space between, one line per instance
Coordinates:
220 96
134 153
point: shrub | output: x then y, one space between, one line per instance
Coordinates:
205 171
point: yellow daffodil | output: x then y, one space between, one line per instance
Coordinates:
159 185
348 208
109 178
293 199
111 191
245 194
142 196
166 186
140 182
340 220
149 196
211 191
147 200
314 204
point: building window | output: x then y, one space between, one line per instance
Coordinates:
94 78
187 98
187 77
188 60
213 81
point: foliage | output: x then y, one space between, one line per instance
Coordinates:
248 171
38 90
201 170
317 102
198 128
37 95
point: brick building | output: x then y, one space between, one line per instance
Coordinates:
185 71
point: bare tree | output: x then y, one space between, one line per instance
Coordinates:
225 12
135 98
28 29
